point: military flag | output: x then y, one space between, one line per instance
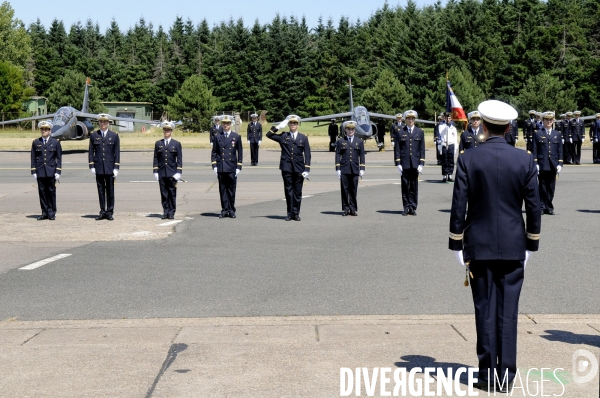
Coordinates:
453 106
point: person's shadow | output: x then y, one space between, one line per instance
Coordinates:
589 211
424 361
572 338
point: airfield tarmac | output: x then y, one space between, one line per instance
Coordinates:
206 283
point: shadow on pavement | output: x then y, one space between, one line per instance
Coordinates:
444 210
271 217
89 216
572 338
210 214
589 211
390 211
333 213
424 361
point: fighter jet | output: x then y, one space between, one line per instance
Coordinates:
71 124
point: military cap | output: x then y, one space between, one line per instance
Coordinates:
411 113
569 114
532 112
538 114
104 116
168 126
440 117
577 113
399 116
497 112
293 118
254 115
45 124
349 124
597 115
563 115
225 119
548 115
473 114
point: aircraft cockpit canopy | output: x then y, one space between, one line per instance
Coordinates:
361 115
62 116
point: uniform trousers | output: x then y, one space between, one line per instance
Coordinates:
576 152
254 153
596 152
168 195
106 193
349 185
292 185
47 193
529 144
567 152
410 189
448 160
227 185
496 288
547 184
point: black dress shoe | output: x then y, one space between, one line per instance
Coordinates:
171 217
42 217
288 218
232 214
450 178
109 217
483 385
413 212
100 217
445 178
297 217
223 214
551 212
345 213
52 218
353 213
405 213
164 217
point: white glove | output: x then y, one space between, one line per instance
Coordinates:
583 139
156 176
34 175
93 171
419 168
571 140
305 174
538 168
56 176
282 125
516 139
115 172
215 170
558 169
177 176
248 142
439 148
211 144
237 171
361 173
527 254
595 139
259 142
459 257
563 141
400 169
339 173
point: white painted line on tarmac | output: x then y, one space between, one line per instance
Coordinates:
43 262
166 224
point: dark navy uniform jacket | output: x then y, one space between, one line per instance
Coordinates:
395 128
529 128
295 155
596 130
493 182
547 149
46 160
168 160
409 150
254 132
470 139
350 157
104 153
513 133
566 129
227 153
576 130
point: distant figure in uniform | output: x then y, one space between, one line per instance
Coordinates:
547 152
538 120
381 127
449 139
436 138
254 137
473 135
409 154
226 157
513 133
492 182
104 158
294 163
46 165
396 126
214 129
576 136
332 131
529 128
350 165
567 145
595 137
168 166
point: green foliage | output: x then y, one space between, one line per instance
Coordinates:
12 88
194 104
68 90
464 86
15 43
546 93
387 95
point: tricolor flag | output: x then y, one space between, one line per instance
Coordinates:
453 106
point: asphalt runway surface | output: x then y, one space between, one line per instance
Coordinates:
259 265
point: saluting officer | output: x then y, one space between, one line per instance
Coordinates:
576 136
214 129
226 157
46 164
493 182
473 135
568 143
254 137
294 163
104 158
350 165
409 154
595 138
168 166
513 133
547 152
529 128
446 148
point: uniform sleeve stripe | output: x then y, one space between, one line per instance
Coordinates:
531 236
58 168
397 160
422 159
456 236
117 164
33 168
307 166
362 164
337 164
214 162
91 162
240 164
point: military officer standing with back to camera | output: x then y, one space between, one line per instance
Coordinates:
294 163
349 165
46 165
168 166
529 128
473 135
595 138
226 157
104 158
547 152
409 154
254 137
513 133
449 140
576 137
493 240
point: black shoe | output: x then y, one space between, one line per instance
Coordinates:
52 218
345 213
224 214
445 178
164 217
353 213
288 218
100 217
171 217
42 217
450 178
405 213
297 217
232 214
414 213
109 217
551 212
483 385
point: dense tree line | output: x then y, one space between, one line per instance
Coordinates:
532 53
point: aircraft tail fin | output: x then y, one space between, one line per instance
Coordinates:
86 96
351 100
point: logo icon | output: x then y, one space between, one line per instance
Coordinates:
585 366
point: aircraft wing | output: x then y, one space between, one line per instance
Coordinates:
119 119
592 117
25 119
326 117
393 117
